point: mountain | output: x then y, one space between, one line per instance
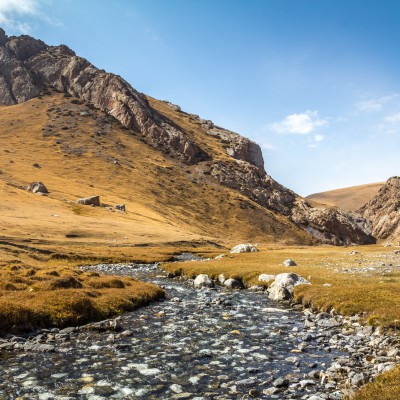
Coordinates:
384 210
95 133
350 198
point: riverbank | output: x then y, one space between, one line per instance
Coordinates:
363 281
40 286
204 343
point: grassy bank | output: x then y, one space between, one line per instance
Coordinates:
40 285
34 297
385 387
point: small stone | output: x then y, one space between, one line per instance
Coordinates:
176 388
90 201
254 393
38 188
289 263
266 278
281 382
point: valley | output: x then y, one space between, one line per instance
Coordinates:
172 185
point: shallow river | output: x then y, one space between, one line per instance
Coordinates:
198 344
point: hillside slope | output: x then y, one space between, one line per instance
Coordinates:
351 198
92 154
131 148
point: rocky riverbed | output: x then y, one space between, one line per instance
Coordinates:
198 344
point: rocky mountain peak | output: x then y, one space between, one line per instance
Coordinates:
29 68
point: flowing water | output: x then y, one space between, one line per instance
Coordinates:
198 344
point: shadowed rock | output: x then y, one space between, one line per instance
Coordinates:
90 201
38 188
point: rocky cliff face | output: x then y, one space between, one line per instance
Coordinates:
384 210
28 68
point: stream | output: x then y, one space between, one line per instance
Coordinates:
197 344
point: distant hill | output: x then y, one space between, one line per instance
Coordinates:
350 198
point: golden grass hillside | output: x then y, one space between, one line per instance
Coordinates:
350 198
77 151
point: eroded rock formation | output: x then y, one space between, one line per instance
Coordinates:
384 210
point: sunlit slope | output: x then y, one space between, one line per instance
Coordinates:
77 151
350 198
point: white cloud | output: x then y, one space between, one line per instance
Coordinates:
14 12
319 138
301 124
393 118
267 146
374 105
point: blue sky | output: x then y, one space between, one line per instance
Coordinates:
315 82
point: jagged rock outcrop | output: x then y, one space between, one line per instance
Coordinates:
238 147
29 68
329 225
384 210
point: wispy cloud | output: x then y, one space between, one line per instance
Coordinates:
267 146
373 105
319 138
13 14
301 124
393 118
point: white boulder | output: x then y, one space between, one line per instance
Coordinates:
244 248
283 286
203 280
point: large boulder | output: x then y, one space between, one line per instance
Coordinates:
203 280
279 293
244 248
283 286
289 263
233 284
290 280
38 188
